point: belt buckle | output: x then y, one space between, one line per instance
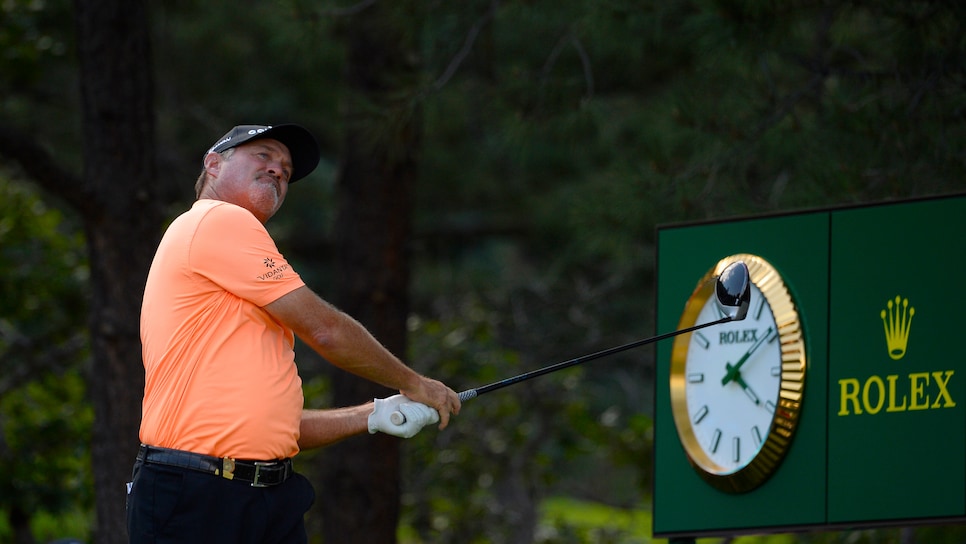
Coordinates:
228 468
258 473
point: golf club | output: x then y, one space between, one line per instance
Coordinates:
732 294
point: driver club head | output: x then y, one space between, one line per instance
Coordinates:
732 290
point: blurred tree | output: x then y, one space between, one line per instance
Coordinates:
375 182
116 199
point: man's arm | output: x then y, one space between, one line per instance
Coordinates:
344 342
325 427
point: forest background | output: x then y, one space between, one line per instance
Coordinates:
492 177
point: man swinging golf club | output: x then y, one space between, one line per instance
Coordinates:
222 413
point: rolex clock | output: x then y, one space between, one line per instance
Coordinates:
737 387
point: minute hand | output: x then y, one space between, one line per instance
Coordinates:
733 370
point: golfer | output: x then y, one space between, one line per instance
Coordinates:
222 413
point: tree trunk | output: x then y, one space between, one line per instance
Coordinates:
360 490
122 219
20 525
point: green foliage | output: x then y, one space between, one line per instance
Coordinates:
486 474
45 417
42 274
569 521
45 452
813 107
38 90
32 34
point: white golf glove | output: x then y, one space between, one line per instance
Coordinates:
399 416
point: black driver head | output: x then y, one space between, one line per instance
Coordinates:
732 290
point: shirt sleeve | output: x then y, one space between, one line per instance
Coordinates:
232 249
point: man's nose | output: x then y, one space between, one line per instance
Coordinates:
277 170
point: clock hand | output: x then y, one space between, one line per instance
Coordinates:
732 372
747 388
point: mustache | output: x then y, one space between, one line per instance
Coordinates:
276 183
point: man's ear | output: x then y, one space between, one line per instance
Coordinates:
213 163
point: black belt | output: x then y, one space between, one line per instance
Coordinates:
257 473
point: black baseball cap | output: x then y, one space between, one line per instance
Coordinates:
301 145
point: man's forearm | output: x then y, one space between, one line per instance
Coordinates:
353 349
325 427
341 339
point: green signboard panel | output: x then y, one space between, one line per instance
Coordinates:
797 246
880 437
897 382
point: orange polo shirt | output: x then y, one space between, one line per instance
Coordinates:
220 374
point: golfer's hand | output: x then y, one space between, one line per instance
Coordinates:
436 395
385 416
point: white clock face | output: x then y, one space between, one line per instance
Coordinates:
732 379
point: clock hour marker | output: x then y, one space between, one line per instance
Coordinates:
702 340
715 440
776 371
696 377
756 436
759 307
702 412
770 406
736 449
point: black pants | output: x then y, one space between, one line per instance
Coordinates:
175 505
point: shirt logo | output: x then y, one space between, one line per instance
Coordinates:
275 271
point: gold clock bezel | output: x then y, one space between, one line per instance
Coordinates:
792 384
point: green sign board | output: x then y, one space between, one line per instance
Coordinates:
880 436
897 382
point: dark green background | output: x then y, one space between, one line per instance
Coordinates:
842 266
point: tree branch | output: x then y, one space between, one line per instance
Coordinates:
570 39
461 55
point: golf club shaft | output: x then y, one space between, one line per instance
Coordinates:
398 418
473 393
732 295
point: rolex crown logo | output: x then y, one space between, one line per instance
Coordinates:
897 320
